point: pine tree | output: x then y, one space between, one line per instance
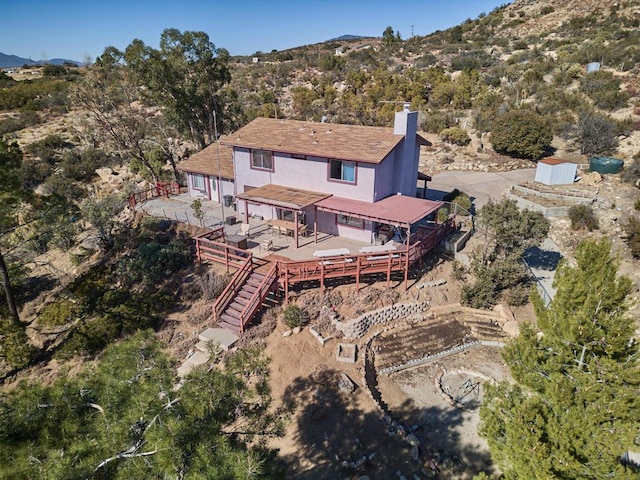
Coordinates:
574 410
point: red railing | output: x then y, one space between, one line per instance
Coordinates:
232 289
254 303
161 189
289 272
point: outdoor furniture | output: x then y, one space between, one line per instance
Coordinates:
245 229
286 227
237 241
266 244
388 247
335 252
382 257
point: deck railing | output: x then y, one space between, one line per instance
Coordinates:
255 302
161 189
234 286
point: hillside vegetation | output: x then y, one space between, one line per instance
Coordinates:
525 81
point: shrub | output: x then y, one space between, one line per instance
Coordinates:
460 198
58 313
521 133
632 235
517 295
293 316
152 263
596 134
456 136
15 348
13 124
604 89
583 217
631 173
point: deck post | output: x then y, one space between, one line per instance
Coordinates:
389 271
315 224
286 285
358 274
198 250
295 230
406 270
321 276
226 256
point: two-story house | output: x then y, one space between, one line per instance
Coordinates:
339 179
343 180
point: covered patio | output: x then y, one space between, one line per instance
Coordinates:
398 211
284 199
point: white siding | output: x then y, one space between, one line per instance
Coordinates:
559 174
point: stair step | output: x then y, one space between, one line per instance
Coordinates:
231 328
245 294
230 319
234 310
241 300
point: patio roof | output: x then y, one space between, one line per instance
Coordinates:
283 197
394 210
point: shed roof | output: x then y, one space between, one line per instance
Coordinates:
395 210
553 161
329 140
206 162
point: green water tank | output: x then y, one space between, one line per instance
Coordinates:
605 164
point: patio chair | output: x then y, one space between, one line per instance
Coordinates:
266 244
302 230
245 229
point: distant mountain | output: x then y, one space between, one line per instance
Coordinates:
346 37
7 61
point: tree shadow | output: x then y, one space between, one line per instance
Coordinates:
336 438
542 259
32 287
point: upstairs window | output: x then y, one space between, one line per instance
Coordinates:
262 160
342 171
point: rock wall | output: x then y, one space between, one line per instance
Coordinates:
358 327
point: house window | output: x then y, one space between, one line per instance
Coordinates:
197 181
349 221
342 170
262 159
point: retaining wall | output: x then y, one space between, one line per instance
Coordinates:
546 211
357 327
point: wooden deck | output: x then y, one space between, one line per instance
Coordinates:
254 278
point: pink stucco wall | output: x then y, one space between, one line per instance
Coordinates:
311 173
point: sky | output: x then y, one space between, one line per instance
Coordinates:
81 29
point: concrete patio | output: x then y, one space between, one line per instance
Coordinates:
178 208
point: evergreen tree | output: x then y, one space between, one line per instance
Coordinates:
573 412
123 418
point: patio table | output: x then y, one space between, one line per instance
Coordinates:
335 252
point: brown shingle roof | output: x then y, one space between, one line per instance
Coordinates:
330 140
206 162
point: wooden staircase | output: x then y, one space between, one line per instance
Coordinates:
245 297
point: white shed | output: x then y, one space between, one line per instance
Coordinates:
553 171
